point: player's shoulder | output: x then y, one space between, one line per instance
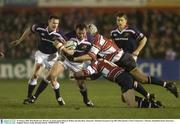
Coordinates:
60 32
114 30
70 35
41 25
90 38
132 29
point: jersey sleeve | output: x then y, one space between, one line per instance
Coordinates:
91 69
61 39
93 52
111 35
138 35
95 48
34 27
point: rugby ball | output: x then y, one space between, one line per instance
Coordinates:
71 44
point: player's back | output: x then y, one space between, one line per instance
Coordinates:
105 48
108 69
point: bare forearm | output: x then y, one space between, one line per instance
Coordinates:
82 58
26 33
141 45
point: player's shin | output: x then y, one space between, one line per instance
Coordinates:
140 89
83 91
56 87
156 81
31 85
42 86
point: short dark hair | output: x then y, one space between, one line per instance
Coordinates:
53 17
80 26
120 14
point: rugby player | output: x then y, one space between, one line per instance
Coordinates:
117 74
128 38
131 40
46 53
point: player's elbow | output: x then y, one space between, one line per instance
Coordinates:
144 40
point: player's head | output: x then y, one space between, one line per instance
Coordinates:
92 29
81 31
53 22
121 20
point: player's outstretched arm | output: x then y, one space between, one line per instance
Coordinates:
26 33
1 54
60 47
82 58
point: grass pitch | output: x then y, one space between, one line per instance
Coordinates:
104 94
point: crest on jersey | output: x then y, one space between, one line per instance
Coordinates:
126 34
114 34
84 47
42 34
55 38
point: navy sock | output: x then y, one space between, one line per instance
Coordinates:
140 89
41 88
156 81
57 93
30 90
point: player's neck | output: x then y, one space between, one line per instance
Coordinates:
122 28
50 30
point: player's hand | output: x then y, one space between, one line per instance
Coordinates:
135 57
135 53
1 54
70 58
57 44
70 52
15 43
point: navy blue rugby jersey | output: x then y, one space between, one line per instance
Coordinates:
46 38
127 39
83 46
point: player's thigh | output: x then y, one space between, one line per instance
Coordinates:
56 69
125 81
139 75
127 62
36 71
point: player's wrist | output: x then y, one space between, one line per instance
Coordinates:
75 59
134 54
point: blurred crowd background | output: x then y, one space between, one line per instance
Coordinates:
162 28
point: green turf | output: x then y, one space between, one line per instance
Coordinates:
104 94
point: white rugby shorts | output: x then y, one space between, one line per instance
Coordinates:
47 60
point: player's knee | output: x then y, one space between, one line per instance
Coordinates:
32 82
35 76
55 85
81 84
129 98
127 61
